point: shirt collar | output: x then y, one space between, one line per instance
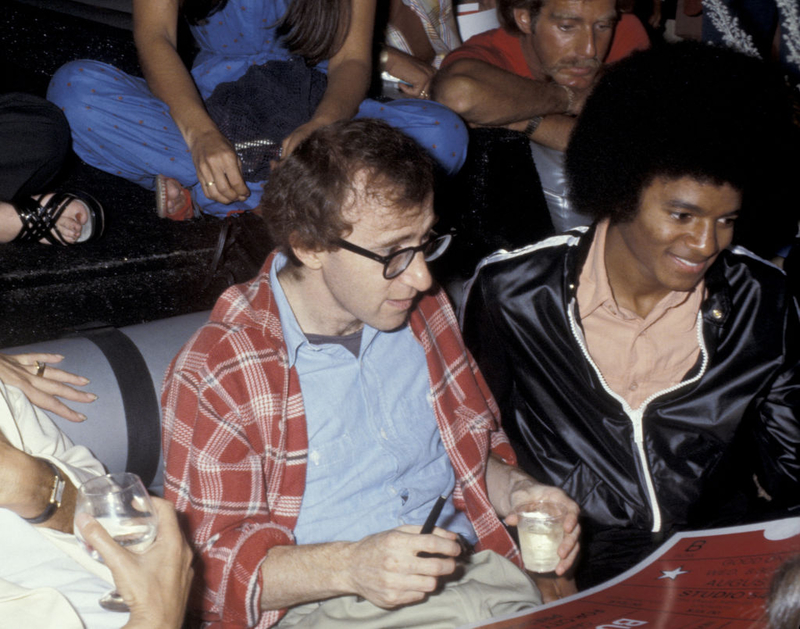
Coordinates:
293 334
594 289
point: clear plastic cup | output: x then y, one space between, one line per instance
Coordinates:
541 529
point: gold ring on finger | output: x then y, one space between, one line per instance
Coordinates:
209 184
40 367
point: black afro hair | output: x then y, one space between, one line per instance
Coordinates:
687 109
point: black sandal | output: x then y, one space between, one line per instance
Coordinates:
39 221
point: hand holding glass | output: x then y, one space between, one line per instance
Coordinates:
541 529
122 506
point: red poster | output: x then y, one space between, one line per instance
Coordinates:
696 580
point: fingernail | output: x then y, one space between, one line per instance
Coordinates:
85 380
94 396
82 417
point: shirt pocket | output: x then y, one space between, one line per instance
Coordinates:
331 455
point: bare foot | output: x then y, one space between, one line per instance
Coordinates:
71 221
68 224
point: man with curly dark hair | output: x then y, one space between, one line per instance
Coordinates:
645 365
330 403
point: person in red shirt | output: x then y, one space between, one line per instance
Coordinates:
535 72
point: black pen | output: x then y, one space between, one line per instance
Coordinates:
433 516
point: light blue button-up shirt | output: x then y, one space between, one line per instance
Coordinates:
375 455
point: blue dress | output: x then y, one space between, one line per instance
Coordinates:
120 127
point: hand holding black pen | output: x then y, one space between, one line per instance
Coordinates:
391 568
430 522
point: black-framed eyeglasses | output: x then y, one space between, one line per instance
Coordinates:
395 263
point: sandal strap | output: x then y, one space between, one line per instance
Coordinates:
39 220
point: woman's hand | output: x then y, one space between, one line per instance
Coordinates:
348 77
218 168
155 32
291 142
414 72
20 371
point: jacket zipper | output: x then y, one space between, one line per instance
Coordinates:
637 416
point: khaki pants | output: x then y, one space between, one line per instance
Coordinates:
489 586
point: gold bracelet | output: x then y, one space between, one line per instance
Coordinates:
55 495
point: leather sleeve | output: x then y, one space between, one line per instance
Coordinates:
483 340
778 428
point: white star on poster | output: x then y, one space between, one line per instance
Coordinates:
673 574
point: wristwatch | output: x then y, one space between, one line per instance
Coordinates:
55 496
532 125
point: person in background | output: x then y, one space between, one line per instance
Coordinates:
43 567
158 133
35 138
419 34
533 75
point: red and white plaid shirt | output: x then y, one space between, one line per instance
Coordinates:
236 446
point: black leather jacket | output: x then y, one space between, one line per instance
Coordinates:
687 457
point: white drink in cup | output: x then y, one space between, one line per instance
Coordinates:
541 529
137 536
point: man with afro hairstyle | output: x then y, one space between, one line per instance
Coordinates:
645 365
